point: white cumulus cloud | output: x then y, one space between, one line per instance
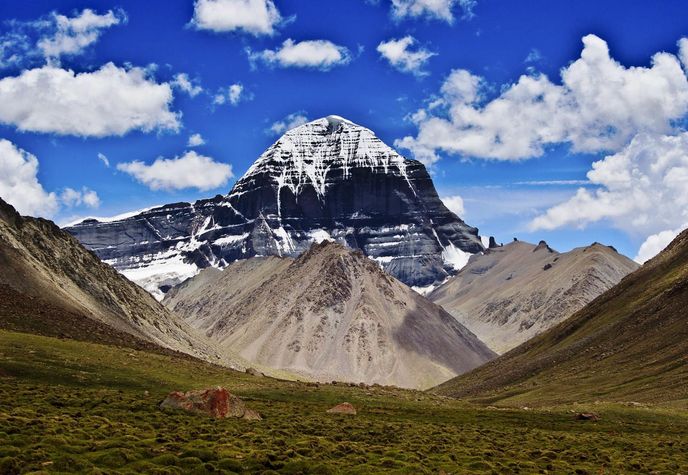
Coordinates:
402 55
84 197
599 106
642 190
234 94
19 185
289 122
107 101
182 82
432 9
256 17
54 35
191 170
683 52
195 140
73 34
455 204
655 244
313 54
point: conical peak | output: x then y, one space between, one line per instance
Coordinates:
305 155
325 126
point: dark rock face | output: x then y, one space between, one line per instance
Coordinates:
328 179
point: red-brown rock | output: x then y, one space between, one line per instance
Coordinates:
215 402
343 408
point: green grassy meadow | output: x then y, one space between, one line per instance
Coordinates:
68 406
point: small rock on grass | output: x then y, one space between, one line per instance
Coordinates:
343 408
587 416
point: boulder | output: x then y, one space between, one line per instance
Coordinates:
343 408
587 416
215 402
254 372
251 415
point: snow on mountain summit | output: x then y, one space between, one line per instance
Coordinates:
306 154
328 179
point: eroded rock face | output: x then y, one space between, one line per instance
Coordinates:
330 314
328 179
214 402
514 292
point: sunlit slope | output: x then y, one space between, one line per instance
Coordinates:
630 344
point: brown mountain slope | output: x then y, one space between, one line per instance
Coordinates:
331 314
629 344
514 292
50 284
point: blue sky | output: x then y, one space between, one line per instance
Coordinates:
504 190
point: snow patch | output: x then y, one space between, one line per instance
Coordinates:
227 240
455 257
320 235
285 245
425 290
110 219
151 277
383 259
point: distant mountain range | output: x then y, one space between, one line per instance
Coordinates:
331 314
630 344
327 179
305 270
511 293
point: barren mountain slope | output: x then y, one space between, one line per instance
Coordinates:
47 275
331 314
629 344
514 292
199 299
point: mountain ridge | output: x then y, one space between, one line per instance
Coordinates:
330 314
327 179
47 275
629 344
513 292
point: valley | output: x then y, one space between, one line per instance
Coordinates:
442 237
74 406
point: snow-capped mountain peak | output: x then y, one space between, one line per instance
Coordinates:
306 154
329 179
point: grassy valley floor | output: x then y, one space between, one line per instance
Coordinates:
68 406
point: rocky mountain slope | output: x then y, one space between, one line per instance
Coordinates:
329 178
331 314
50 284
514 292
629 344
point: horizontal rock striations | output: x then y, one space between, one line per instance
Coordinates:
329 179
